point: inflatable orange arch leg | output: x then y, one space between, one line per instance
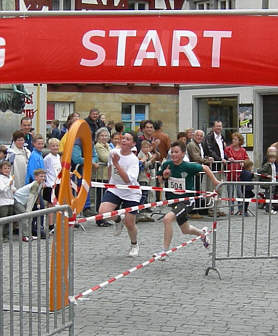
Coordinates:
60 251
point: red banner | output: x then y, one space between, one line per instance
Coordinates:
152 49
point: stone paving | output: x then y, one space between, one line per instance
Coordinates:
175 297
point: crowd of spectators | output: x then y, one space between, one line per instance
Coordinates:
22 163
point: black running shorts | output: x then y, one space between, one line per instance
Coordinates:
181 210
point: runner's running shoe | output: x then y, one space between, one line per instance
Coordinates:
162 256
134 250
205 238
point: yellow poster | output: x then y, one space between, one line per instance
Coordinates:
249 140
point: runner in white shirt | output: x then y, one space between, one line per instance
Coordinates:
123 168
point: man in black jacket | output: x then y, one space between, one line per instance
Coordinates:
94 122
214 146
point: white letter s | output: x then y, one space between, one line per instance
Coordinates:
94 47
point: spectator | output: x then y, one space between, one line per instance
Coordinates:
94 122
7 190
164 139
235 152
102 148
148 134
36 159
247 175
64 138
140 129
195 152
72 117
115 140
102 118
52 164
269 174
36 162
119 127
25 199
189 135
214 146
55 132
146 162
25 127
110 126
3 153
18 155
77 161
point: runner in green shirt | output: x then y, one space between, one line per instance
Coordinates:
180 175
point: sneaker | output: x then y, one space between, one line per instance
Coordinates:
26 239
246 214
134 250
118 227
165 257
88 212
273 212
205 239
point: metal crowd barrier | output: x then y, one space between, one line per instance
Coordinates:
25 280
244 237
221 170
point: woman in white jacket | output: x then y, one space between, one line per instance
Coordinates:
18 156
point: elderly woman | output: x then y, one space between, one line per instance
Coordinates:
18 155
102 148
236 154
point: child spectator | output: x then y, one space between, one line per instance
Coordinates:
3 153
36 159
7 190
55 132
25 199
36 162
146 161
52 164
269 173
18 155
115 141
247 175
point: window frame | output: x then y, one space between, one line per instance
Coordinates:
133 120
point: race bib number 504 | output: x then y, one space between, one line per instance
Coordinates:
177 183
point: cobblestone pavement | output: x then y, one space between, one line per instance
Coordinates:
176 297
173 297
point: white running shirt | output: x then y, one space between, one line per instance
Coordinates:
130 164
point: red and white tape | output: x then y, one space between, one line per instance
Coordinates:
74 299
124 186
248 200
114 213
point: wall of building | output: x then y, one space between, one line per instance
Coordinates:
163 107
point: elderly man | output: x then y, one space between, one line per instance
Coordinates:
195 152
195 149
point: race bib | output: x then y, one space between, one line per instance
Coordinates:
177 183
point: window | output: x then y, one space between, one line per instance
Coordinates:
59 111
138 5
61 5
224 109
226 4
133 114
203 5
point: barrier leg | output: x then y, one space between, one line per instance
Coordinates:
213 254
